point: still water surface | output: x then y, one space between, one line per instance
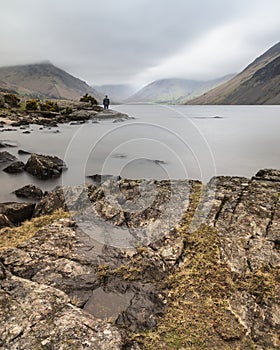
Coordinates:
162 142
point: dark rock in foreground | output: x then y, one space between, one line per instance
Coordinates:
17 212
51 202
16 167
29 191
6 157
44 167
4 221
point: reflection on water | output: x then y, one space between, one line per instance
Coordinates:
162 142
108 305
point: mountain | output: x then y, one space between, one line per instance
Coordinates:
258 83
173 90
117 93
43 80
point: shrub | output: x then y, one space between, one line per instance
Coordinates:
68 110
2 101
88 98
49 106
31 105
12 100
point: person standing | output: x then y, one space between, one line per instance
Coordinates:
106 102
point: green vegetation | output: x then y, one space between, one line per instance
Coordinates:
49 106
68 110
11 237
31 105
12 100
89 98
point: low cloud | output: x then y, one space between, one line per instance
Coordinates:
138 41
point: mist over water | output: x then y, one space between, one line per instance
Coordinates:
162 142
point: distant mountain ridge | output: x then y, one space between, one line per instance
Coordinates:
43 80
173 90
258 83
116 92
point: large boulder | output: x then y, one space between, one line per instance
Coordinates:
29 191
44 167
17 212
15 167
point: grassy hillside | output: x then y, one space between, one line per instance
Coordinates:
43 80
258 83
174 90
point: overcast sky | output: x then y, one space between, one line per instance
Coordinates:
138 41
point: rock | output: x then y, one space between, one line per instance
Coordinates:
54 323
2 274
82 115
268 175
20 123
4 221
44 167
6 157
17 212
29 191
7 144
63 258
74 264
15 167
111 114
98 179
78 122
51 202
26 132
8 129
136 320
66 198
21 151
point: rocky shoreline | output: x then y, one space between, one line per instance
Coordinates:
67 112
184 265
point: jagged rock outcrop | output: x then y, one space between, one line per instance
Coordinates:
37 316
29 191
44 167
17 212
130 242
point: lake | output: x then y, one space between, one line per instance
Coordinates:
162 142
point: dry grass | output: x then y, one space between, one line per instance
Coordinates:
11 237
198 312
